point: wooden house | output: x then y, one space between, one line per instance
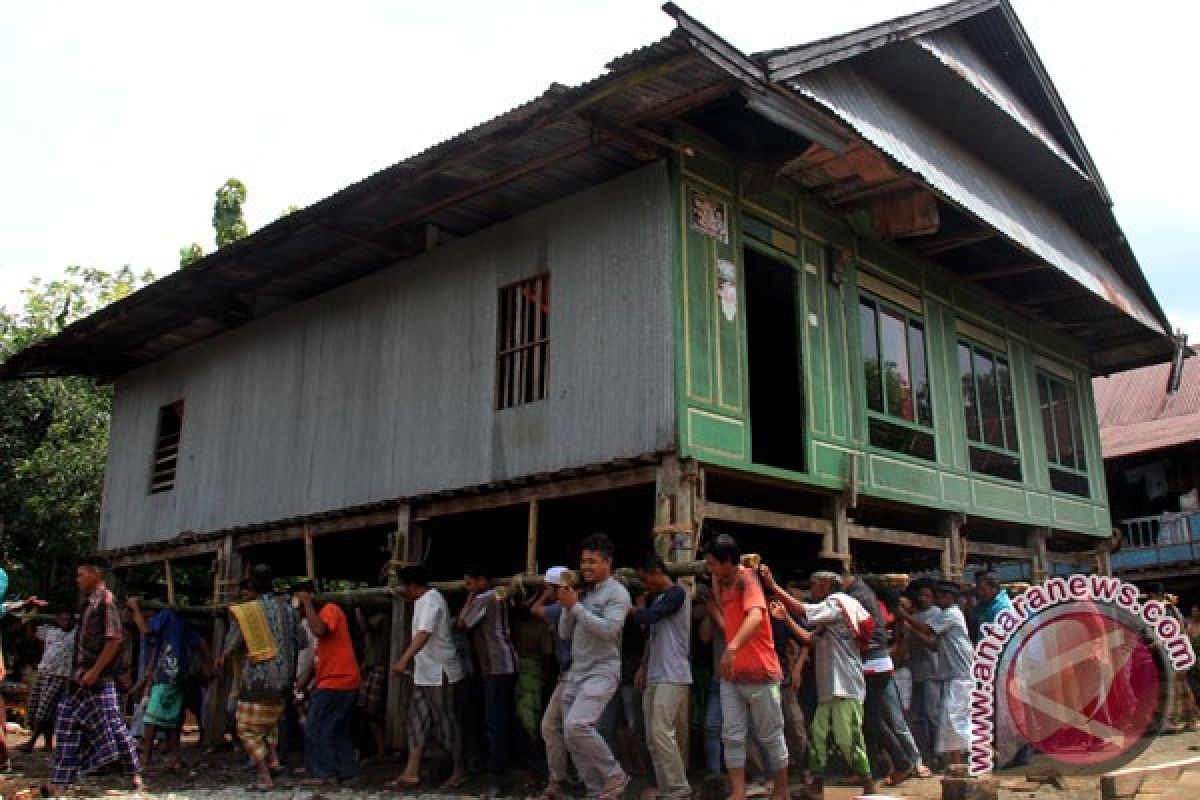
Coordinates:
844 299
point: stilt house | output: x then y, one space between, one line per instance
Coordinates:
843 299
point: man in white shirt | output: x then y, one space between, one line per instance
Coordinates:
437 677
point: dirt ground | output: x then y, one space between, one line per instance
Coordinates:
225 776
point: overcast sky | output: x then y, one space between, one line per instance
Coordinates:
119 120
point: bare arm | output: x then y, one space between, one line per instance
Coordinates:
315 623
111 648
135 612
419 640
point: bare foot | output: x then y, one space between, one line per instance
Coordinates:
455 780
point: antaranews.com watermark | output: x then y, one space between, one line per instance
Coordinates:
1085 672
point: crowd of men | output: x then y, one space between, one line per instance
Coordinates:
836 677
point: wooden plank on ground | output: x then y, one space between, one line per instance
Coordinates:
1126 782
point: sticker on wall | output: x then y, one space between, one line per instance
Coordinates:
727 288
709 216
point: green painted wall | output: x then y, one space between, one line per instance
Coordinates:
711 356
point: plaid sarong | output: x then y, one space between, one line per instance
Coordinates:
90 734
372 694
258 726
434 708
43 701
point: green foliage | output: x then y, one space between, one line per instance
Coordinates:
190 255
290 208
228 220
54 437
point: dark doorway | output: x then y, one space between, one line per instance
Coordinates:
776 387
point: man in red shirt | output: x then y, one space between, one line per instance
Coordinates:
328 753
750 671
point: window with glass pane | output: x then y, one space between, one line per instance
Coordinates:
988 408
1062 429
896 378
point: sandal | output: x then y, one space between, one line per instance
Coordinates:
401 783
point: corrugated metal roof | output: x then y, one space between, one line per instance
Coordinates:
967 182
1137 414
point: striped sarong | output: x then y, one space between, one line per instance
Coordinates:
90 733
258 726
260 644
434 709
43 701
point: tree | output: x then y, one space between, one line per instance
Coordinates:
290 208
191 254
54 437
228 220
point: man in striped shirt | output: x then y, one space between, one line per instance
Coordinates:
485 615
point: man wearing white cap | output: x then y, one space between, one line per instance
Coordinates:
548 608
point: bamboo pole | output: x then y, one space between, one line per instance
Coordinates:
170 581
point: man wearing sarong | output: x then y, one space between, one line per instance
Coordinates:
948 633
838 622
90 731
54 670
437 679
265 630
171 642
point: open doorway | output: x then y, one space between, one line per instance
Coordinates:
775 382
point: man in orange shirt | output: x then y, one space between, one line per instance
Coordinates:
328 753
750 671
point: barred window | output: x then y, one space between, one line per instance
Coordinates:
166 447
522 342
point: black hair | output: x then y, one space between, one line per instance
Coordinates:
304 586
245 583
98 563
478 571
261 579
598 543
414 575
987 579
948 587
890 597
651 562
724 548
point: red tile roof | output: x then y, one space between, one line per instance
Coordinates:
1136 414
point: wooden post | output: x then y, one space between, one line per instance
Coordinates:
405 543
228 570
531 539
170 582
310 561
953 552
1040 567
836 544
677 516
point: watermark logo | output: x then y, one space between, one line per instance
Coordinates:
1080 669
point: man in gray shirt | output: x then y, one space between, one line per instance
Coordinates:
665 674
925 709
593 621
947 631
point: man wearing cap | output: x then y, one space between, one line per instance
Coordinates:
947 632
437 678
549 609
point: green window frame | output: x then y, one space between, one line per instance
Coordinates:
1062 427
989 411
895 364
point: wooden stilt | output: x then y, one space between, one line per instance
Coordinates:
170 581
405 543
310 560
1040 563
835 544
228 571
953 552
531 539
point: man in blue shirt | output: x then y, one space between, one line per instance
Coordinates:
992 600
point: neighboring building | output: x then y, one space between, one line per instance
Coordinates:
1150 434
844 298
